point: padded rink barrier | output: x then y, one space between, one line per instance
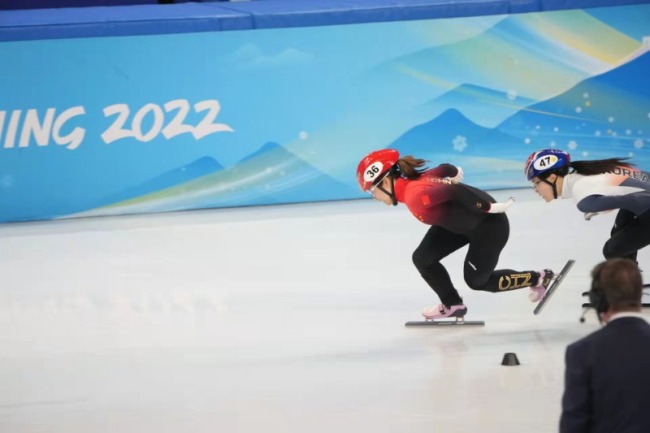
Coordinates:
161 108
219 15
303 13
120 21
48 4
292 13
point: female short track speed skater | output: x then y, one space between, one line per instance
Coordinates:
458 215
598 186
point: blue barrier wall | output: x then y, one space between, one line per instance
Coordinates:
48 4
157 108
258 14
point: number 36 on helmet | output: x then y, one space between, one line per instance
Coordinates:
374 166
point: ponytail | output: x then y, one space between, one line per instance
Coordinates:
588 168
408 167
599 166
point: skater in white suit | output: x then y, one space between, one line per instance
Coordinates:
598 186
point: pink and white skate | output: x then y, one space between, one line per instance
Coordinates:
537 293
435 316
443 312
554 283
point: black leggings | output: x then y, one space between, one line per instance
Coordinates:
485 241
629 234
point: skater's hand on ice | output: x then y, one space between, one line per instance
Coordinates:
459 176
501 207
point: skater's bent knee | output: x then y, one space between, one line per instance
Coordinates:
610 252
476 283
423 261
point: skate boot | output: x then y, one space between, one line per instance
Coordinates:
442 312
538 292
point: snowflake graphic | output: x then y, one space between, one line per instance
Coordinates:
460 143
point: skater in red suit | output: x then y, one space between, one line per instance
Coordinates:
459 215
598 186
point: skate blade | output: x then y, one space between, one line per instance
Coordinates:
441 322
554 286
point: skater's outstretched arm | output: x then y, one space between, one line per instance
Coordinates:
475 201
453 173
438 192
501 207
637 202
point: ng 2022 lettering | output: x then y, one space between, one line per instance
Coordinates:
176 126
20 129
40 129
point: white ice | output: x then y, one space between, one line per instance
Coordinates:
279 319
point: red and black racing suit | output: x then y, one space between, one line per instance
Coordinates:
457 214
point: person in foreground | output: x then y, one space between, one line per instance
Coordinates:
607 377
459 215
598 186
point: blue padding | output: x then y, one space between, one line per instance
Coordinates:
119 21
549 5
217 16
48 4
522 6
292 13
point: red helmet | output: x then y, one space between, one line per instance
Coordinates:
374 166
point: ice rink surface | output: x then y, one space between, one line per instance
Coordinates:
279 319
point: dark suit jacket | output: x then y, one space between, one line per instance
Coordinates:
607 380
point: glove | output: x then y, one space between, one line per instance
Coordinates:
459 176
501 207
590 215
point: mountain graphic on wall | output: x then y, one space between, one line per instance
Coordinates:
490 158
589 117
287 178
268 176
196 169
450 133
471 100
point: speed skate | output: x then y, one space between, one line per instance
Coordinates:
554 286
453 315
458 321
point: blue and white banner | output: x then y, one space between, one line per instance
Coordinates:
119 125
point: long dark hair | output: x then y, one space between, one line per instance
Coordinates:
588 168
409 167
